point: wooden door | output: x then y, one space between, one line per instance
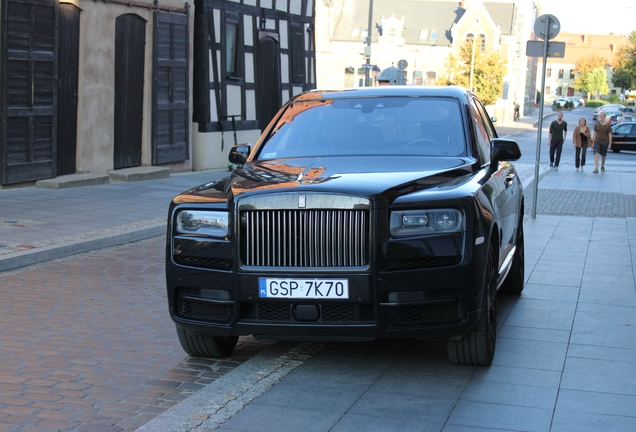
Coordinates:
170 117
29 90
268 80
130 40
68 66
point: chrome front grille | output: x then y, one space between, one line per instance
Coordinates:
305 238
304 231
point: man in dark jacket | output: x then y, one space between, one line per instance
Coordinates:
558 132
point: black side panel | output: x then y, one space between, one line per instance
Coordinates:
68 66
170 119
268 97
130 40
29 90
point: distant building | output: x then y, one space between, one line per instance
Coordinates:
561 72
423 34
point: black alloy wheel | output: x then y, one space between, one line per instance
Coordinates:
477 348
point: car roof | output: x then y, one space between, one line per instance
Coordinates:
386 91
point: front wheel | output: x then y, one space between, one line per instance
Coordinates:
477 348
198 345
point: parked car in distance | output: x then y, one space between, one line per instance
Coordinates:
617 107
576 100
626 118
613 119
559 103
608 112
378 212
624 136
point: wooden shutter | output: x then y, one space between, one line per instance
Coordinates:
68 70
170 120
29 90
130 40
297 53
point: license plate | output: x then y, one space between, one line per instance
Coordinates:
303 288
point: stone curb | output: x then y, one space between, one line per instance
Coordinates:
221 399
75 247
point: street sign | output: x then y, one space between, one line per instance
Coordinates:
554 27
367 66
403 64
535 49
546 27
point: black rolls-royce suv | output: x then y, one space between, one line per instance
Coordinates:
359 214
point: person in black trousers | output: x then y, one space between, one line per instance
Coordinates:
558 132
581 139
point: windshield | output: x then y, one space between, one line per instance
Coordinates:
368 126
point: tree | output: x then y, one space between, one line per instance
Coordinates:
584 68
488 73
623 79
597 81
625 70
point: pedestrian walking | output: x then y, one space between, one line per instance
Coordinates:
602 140
581 137
558 132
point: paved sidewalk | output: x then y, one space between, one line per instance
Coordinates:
41 224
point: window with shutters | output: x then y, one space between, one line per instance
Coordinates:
231 46
29 117
170 120
297 53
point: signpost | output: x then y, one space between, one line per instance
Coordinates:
546 27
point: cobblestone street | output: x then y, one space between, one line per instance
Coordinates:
87 344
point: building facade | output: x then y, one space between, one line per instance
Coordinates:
97 86
420 36
561 72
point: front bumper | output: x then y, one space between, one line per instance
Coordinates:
427 297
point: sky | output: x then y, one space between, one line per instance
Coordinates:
593 16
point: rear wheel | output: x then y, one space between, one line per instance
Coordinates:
198 345
477 348
516 277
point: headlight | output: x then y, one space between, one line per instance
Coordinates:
211 223
420 222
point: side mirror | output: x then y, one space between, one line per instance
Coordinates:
504 150
239 153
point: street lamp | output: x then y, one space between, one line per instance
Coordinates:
367 51
472 56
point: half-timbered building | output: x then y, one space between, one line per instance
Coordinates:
98 86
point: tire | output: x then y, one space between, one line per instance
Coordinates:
516 276
198 345
477 348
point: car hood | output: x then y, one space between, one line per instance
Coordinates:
379 176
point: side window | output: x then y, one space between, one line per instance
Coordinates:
231 45
490 129
623 129
481 131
